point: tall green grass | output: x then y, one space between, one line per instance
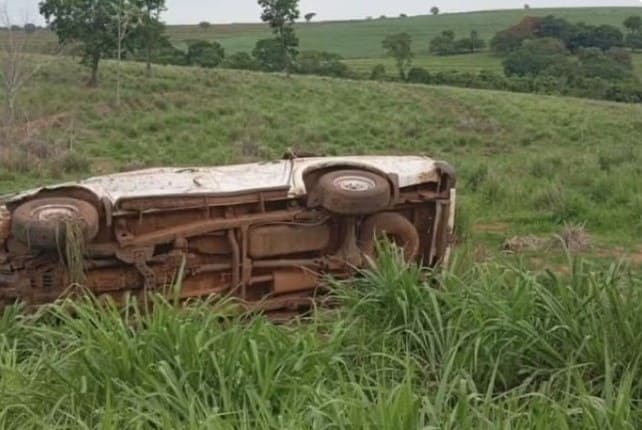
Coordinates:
493 346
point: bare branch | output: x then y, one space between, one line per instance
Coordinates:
17 65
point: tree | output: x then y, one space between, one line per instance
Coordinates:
476 43
309 16
204 24
149 33
602 36
444 44
268 54
613 65
205 54
281 16
434 10
17 67
633 24
634 40
535 56
30 28
90 23
527 6
399 46
509 40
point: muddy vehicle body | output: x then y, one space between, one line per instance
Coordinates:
265 233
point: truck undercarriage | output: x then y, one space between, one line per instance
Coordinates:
266 249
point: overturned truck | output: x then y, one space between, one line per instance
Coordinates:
264 233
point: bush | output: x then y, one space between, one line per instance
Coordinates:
205 54
550 82
30 28
511 39
269 55
535 56
614 65
603 37
321 63
419 75
444 44
634 40
378 73
241 61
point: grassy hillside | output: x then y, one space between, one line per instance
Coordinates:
528 163
497 346
464 63
362 39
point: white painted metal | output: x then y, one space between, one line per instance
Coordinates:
159 182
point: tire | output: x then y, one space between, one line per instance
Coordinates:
392 226
41 223
354 192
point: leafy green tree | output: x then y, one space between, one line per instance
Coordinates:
309 16
509 40
633 24
591 36
281 16
612 65
434 10
89 23
268 54
476 43
399 46
535 56
148 35
634 40
205 54
444 44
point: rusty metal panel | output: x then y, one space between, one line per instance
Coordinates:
294 280
277 240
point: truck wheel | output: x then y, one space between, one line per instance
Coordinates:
392 226
354 192
42 223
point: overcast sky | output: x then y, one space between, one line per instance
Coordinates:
225 11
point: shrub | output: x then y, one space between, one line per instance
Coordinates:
30 28
241 61
444 44
205 54
634 40
419 75
378 73
603 37
321 63
534 56
593 63
269 55
511 39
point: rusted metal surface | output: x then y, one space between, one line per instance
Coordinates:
255 232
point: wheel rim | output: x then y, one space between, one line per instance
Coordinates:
354 184
55 212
